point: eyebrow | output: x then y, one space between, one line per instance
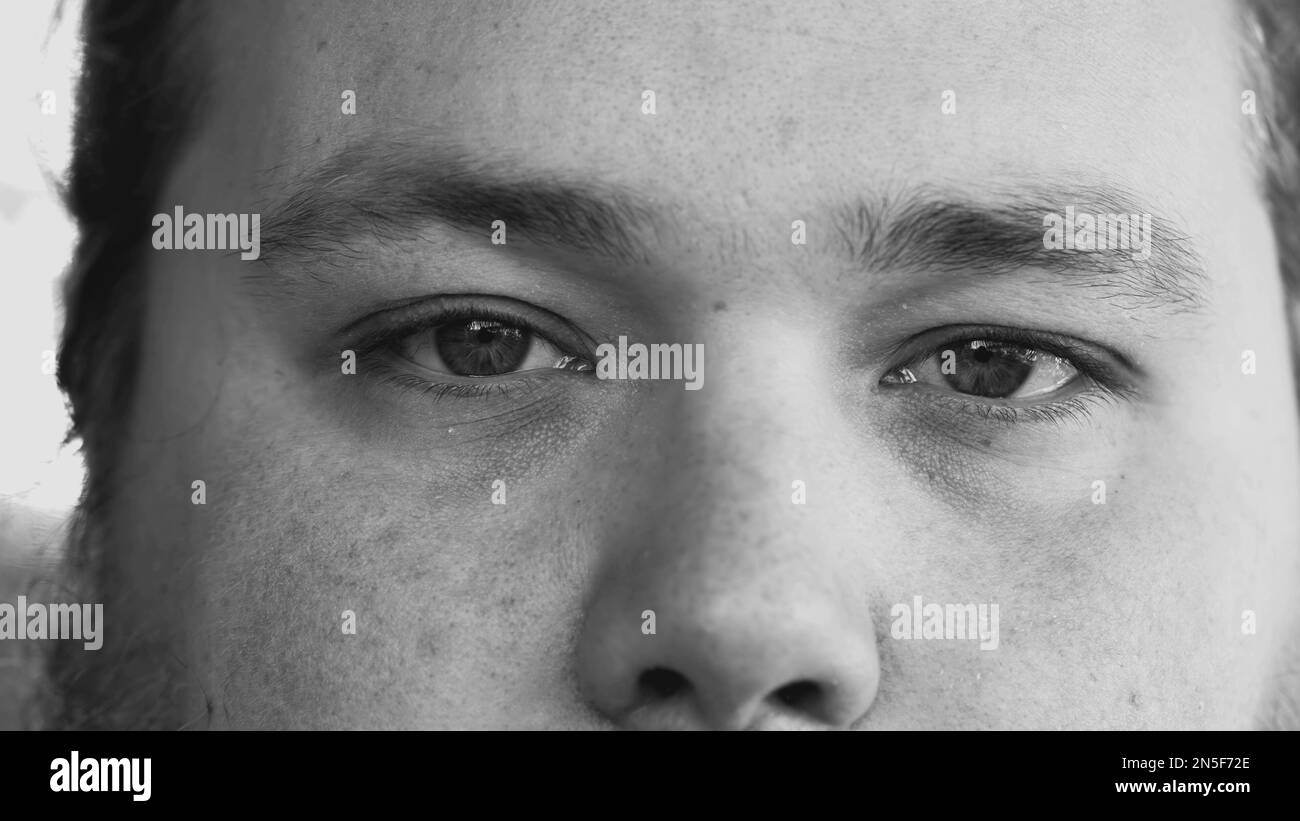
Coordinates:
391 188
1003 231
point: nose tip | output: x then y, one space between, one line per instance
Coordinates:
740 674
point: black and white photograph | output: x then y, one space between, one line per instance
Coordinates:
563 365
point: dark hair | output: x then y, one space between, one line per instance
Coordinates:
139 100
1273 29
136 103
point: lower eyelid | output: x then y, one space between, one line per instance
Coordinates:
390 368
1077 406
390 375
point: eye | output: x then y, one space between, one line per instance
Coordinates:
467 346
1007 374
990 369
481 346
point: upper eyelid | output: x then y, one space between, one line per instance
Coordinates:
382 327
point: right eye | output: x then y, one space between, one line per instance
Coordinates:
483 347
464 344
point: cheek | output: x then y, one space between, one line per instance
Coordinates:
1134 584
1036 508
995 473
463 556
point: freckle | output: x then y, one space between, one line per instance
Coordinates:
1135 700
427 645
321 44
719 306
986 442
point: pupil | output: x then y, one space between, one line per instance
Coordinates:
990 370
481 347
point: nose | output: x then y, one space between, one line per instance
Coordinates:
770 658
721 602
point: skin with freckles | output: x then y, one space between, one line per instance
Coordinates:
328 491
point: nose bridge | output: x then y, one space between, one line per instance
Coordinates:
725 488
746 450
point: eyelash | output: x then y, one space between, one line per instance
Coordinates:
376 348
1077 408
409 382
1107 386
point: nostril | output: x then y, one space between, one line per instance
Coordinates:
661 682
800 695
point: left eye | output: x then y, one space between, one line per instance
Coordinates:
989 369
482 348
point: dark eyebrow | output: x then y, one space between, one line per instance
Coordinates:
390 188
1002 231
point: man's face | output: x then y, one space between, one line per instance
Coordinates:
825 198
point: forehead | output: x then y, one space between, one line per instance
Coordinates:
754 102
